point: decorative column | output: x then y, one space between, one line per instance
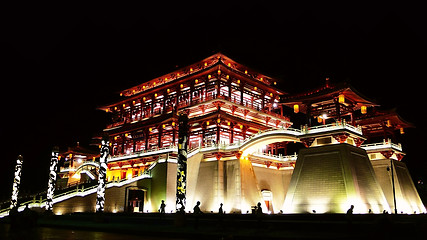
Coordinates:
52 178
102 175
16 182
181 177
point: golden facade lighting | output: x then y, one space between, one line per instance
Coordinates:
363 109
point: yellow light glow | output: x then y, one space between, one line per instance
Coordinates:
296 108
206 64
191 69
219 72
246 71
150 129
341 98
238 81
196 81
155 95
181 86
209 76
363 109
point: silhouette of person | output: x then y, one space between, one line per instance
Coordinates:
220 211
196 208
162 207
259 209
350 210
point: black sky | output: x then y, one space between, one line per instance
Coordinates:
60 62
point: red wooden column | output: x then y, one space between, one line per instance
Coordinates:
218 131
231 132
160 128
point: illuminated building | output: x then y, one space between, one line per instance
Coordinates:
238 140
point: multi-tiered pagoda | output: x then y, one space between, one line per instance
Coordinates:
237 147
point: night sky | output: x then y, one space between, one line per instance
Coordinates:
60 62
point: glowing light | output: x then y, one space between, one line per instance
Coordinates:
207 123
246 71
126 134
196 81
143 99
228 77
133 102
191 69
209 76
255 88
168 90
70 155
206 64
229 64
296 108
173 124
115 138
181 86
274 105
155 95
275 83
107 110
164 126
402 131
150 129
238 81
363 109
341 98
219 72
218 120
115 108
124 105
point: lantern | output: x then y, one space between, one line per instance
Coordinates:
218 120
155 95
238 81
228 77
206 64
173 124
107 110
402 131
246 71
191 69
388 124
241 126
229 64
143 99
196 81
126 134
133 102
207 123
319 119
124 105
296 108
255 88
275 83
182 85
164 126
219 72
341 98
150 129
363 109
209 76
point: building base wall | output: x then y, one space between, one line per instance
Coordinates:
331 178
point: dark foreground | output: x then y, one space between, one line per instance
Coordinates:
213 226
